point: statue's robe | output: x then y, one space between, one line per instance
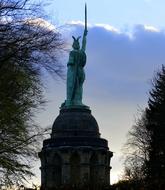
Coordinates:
75 77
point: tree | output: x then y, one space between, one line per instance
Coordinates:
136 152
145 157
28 47
156 126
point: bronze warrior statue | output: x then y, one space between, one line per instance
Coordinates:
75 71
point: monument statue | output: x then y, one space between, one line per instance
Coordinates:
75 155
75 70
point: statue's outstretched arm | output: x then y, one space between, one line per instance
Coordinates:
84 40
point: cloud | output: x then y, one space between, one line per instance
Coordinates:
151 28
107 27
39 22
118 73
122 64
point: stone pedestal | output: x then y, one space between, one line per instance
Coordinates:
75 155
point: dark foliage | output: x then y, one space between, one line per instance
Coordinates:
136 152
85 187
127 185
155 114
145 156
28 46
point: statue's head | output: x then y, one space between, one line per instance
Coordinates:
76 44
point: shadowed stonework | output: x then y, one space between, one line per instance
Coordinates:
75 155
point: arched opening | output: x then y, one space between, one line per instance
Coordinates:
75 169
94 170
57 170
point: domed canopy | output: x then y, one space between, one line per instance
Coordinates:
75 122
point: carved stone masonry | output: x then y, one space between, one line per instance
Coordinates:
75 155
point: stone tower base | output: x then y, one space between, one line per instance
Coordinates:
75 155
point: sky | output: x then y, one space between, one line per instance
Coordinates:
122 14
125 48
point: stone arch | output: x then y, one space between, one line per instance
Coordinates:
75 168
57 169
94 169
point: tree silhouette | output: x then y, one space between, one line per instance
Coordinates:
155 114
28 47
145 155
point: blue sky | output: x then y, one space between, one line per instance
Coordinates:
122 14
126 44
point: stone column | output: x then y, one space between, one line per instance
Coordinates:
65 167
85 166
109 154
